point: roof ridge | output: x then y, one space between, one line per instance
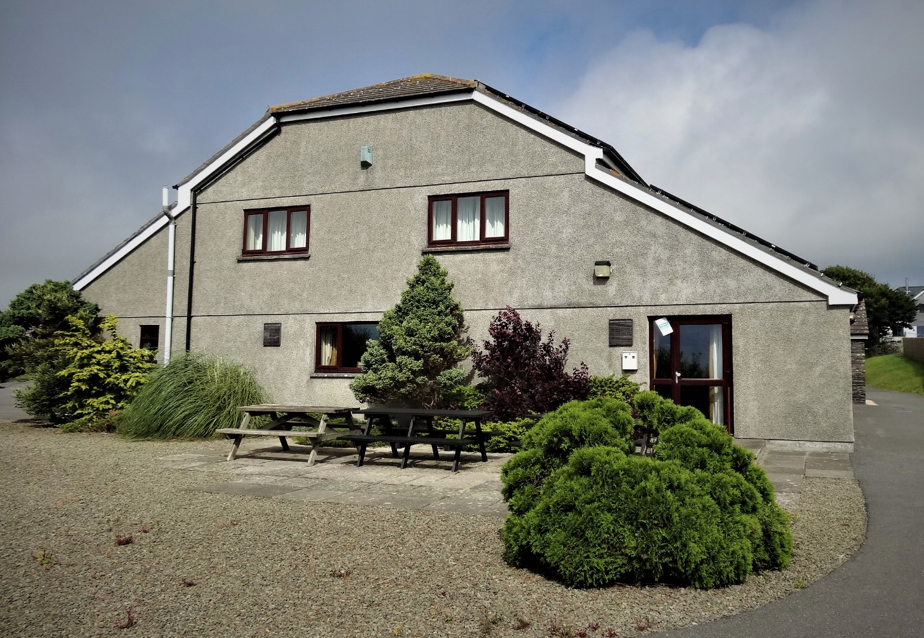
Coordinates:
411 85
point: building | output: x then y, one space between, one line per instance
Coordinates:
917 326
293 240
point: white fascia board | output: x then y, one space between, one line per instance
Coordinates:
539 127
836 296
592 154
184 198
115 257
184 192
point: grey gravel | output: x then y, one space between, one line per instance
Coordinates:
222 564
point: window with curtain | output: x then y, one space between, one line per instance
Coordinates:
470 219
276 230
340 346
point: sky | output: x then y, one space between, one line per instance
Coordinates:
800 121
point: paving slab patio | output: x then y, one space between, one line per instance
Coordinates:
426 484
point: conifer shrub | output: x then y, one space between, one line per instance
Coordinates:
658 414
190 397
622 388
587 511
84 377
547 446
421 342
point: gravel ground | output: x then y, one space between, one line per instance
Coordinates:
225 565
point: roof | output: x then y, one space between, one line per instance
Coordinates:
915 292
414 86
602 162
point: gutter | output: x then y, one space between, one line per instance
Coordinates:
171 257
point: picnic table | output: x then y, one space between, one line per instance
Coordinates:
285 417
416 425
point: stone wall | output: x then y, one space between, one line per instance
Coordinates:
858 369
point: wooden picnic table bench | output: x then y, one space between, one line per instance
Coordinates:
416 426
285 417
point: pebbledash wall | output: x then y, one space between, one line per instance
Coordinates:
368 229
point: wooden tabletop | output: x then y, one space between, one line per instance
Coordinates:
299 409
458 414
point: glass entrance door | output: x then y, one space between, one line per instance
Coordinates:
691 364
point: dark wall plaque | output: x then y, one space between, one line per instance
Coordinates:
620 332
272 335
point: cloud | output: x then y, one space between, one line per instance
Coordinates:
807 132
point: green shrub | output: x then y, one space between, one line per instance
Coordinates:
44 396
658 414
82 376
607 517
547 446
589 514
190 397
102 375
421 340
463 397
621 389
511 434
703 446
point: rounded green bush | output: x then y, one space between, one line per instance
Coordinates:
547 446
607 517
587 511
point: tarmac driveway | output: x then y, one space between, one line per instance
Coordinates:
880 591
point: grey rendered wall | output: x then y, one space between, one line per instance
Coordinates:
368 229
135 289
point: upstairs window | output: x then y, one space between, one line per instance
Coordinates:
479 218
340 346
276 230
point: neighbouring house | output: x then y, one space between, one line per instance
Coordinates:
293 240
917 326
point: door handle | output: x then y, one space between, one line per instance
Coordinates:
677 374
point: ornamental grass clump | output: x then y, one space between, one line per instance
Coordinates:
589 512
190 397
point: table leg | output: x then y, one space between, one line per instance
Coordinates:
237 444
322 427
436 449
407 446
484 454
367 428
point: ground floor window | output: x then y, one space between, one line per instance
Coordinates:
690 363
340 346
150 338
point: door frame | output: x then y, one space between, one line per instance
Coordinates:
727 372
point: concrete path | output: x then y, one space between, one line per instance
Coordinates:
880 591
263 470
426 484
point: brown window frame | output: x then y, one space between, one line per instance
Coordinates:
727 380
142 329
288 249
317 345
482 226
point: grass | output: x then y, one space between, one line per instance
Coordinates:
895 372
191 397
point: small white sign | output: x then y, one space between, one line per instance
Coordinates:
664 326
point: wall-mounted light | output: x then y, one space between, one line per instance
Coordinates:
365 156
602 269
